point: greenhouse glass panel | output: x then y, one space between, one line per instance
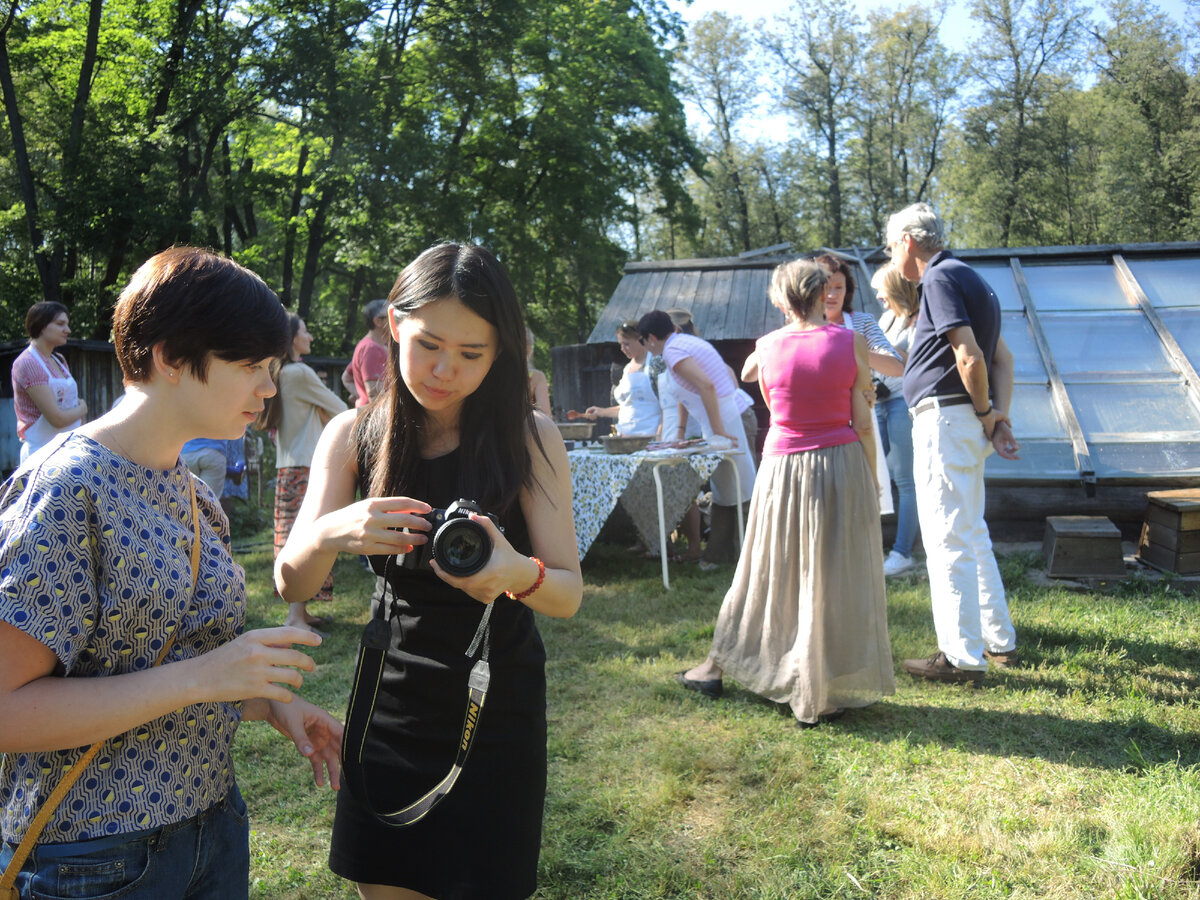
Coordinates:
1040 461
1027 361
1168 282
1112 345
1153 412
1000 277
1034 414
1184 325
1075 287
1174 458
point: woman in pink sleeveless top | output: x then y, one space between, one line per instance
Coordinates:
805 621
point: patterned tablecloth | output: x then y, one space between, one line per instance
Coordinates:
600 480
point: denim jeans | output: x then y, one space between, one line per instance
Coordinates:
970 610
895 430
206 856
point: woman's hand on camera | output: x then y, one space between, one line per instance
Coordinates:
505 568
377 526
256 664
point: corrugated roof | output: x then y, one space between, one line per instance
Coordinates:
727 296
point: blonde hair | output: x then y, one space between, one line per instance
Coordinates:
902 292
798 286
683 320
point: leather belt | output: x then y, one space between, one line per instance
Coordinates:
937 402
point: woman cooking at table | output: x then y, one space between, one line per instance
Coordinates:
637 410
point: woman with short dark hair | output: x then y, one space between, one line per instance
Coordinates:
45 396
122 611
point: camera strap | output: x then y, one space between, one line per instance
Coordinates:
372 653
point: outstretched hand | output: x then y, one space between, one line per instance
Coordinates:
316 734
256 664
377 526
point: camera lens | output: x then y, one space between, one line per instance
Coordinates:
462 547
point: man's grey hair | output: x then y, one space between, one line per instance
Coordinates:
922 222
373 311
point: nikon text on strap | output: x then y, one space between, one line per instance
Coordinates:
371 654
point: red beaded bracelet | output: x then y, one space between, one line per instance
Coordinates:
537 584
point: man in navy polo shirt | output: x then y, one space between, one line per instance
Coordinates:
958 383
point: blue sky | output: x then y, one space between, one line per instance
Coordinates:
958 25
958 31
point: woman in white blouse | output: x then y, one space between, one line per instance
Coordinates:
297 414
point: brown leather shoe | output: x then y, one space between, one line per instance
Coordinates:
938 668
1002 660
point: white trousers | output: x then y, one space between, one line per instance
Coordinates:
970 612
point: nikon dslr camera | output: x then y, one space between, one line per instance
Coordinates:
460 546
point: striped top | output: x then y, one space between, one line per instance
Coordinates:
681 346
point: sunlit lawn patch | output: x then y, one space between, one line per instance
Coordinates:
1076 774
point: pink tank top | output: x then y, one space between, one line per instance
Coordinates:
806 379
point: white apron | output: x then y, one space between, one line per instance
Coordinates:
724 484
637 407
66 394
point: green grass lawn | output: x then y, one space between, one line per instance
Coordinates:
1076 774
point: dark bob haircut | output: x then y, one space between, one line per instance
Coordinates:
834 265
42 314
194 303
656 323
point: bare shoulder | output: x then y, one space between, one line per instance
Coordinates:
549 435
342 425
337 441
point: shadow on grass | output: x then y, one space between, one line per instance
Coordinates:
1126 745
1110 662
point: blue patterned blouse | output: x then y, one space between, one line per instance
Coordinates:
95 563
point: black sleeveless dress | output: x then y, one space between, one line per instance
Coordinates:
483 839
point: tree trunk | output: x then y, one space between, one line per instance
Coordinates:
289 236
353 302
51 289
312 252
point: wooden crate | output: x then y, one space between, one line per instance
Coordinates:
1083 546
1171 531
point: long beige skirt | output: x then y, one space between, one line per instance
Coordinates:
805 620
